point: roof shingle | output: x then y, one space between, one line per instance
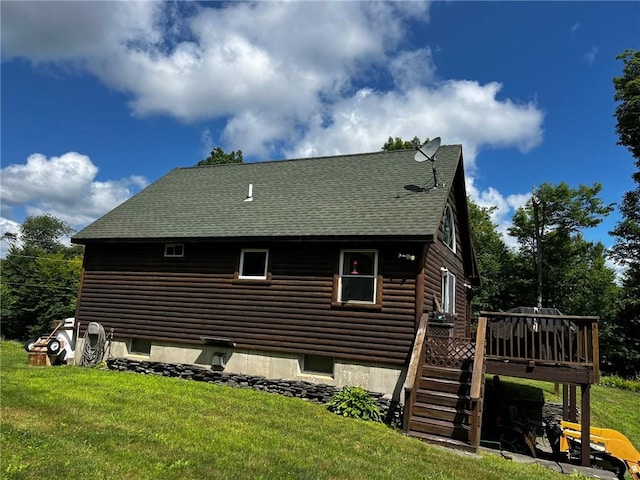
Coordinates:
371 194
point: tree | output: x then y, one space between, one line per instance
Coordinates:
624 334
40 278
496 263
549 238
628 110
399 144
627 113
220 157
44 232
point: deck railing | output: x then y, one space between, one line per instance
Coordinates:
542 339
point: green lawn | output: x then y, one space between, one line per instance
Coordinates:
610 407
69 422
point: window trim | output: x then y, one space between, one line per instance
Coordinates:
448 289
173 246
267 274
448 215
376 302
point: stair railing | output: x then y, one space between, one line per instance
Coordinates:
415 365
477 381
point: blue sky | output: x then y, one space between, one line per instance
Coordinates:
101 98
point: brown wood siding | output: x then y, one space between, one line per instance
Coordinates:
440 255
138 292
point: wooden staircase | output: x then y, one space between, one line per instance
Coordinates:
443 403
442 411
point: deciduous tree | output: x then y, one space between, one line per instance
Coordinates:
40 278
554 238
624 334
219 157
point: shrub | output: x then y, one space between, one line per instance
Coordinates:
355 402
622 383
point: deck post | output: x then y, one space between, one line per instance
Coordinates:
565 401
585 424
573 404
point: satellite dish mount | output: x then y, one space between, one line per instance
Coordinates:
428 152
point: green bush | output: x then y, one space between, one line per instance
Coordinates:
355 402
621 383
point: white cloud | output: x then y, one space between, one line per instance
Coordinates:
458 111
296 74
505 207
207 142
64 187
575 27
9 233
74 31
590 56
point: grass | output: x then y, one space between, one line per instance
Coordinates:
70 422
610 407
88 422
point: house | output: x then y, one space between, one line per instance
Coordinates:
317 269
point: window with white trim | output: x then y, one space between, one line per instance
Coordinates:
358 277
174 250
254 263
449 229
448 292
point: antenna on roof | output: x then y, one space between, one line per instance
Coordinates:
428 152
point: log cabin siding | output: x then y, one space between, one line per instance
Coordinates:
138 292
439 255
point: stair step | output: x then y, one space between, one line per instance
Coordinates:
444 399
446 373
443 385
440 412
444 442
440 427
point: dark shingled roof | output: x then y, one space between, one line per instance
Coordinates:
371 195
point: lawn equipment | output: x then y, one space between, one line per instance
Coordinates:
610 450
54 348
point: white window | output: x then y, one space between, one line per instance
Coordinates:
358 276
449 229
174 250
253 263
448 291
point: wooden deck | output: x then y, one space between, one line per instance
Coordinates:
553 348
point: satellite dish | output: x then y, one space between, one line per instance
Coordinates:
428 150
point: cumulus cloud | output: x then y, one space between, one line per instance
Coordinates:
283 76
64 187
504 207
9 235
458 111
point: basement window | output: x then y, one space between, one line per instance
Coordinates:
254 264
317 364
174 250
140 346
